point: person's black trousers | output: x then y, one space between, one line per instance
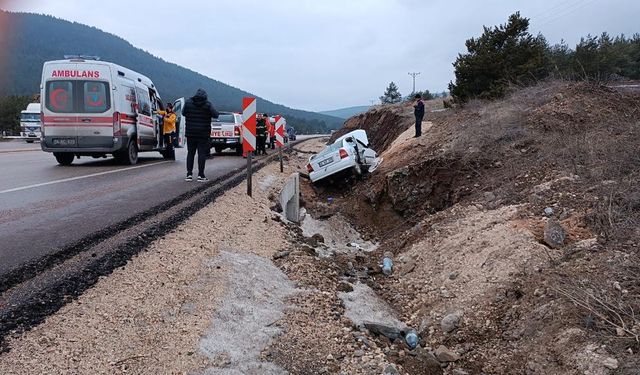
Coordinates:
201 145
419 125
168 140
262 141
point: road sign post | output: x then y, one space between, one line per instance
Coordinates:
249 136
280 124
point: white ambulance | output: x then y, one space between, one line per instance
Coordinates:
94 108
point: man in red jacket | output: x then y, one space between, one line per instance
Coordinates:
271 129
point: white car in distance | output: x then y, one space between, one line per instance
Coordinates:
349 153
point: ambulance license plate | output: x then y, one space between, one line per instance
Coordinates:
325 162
64 141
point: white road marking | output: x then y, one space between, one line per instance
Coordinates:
82 177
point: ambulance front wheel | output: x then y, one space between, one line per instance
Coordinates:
64 158
130 155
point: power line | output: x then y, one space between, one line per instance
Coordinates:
565 12
550 11
414 74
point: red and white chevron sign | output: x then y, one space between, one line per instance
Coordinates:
280 124
248 125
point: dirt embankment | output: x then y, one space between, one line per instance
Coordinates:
518 217
385 123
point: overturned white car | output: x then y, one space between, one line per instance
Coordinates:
349 153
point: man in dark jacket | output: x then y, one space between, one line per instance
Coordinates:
261 135
418 111
198 113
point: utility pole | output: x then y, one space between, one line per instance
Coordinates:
414 74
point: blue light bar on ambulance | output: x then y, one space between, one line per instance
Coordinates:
81 57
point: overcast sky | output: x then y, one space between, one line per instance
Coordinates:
327 54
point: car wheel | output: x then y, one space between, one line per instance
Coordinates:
130 155
30 141
64 158
357 171
239 150
218 150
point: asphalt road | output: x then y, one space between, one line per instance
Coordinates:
45 206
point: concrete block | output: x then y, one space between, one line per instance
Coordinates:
290 198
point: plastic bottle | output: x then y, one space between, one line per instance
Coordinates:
412 339
387 266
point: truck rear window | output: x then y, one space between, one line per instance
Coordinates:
224 117
77 96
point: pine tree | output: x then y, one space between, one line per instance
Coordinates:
391 95
500 56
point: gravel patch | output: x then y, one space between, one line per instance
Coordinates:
245 323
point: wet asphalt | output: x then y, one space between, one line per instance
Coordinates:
45 207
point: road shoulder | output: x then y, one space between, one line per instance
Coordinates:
149 316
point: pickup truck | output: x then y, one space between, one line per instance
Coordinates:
226 132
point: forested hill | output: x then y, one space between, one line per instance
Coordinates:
345 113
30 39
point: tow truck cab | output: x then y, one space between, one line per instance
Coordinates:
30 123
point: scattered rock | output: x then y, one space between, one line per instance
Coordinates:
617 286
459 371
188 308
489 196
392 333
408 267
358 353
445 293
444 354
391 370
453 275
281 254
610 363
548 211
318 238
423 329
450 322
429 361
345 287
554 234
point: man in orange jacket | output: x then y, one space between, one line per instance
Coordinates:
169 127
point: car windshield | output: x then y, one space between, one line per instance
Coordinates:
30 117
225 117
